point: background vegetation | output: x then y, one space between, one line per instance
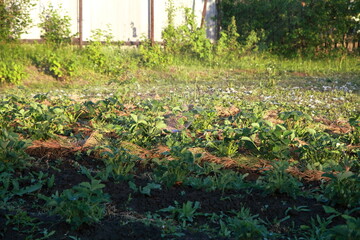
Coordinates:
254 136
294 27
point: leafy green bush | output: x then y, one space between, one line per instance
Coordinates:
354 134
322 151
11 72
184 213
95 50
176 171
55 27
145 130
343 189
82 204
14 18
292 26
12 150
40 121
152 54
348 231
60 67
228 46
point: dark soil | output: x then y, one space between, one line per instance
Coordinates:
126 211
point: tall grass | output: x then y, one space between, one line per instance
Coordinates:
123 63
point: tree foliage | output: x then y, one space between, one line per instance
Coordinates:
296 26
14 18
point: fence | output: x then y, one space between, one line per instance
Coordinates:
128 20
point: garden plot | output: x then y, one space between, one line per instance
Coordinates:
204 160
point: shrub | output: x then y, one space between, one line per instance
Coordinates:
11 72
14 18
55 64
55 27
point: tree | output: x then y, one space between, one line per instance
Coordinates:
14 18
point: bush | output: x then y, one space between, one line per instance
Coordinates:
187 38
61 63
55 26
14 18
11 72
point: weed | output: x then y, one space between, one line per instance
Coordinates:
119 161
278 180
184 213
12 150
23 223
82 204
243 226
11 73
144 190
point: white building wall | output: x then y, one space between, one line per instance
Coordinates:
127 20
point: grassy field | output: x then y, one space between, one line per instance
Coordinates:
102 147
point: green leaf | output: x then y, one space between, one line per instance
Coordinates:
29 189
330 210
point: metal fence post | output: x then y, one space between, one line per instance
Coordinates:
152 22
81 23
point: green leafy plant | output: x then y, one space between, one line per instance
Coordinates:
176 171
278 180
104 56
11 73
15 18
222 180
343 189
350 230
57 67
22 222
144 190
119 161
295 120
354 134
243 226
226 147
55 26
40 121
322 151
144 130
12 150
82 204
184 213
274 141
152 54
228 46
317 229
